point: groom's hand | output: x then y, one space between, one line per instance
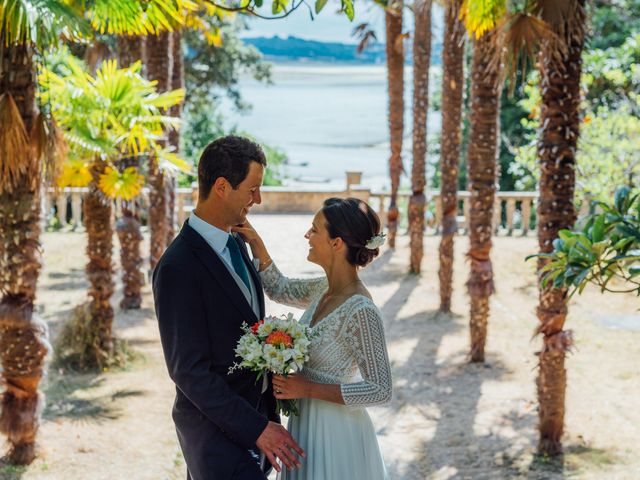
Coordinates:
277 443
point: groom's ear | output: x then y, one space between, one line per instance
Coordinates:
220 187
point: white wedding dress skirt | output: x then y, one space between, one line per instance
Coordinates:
339 443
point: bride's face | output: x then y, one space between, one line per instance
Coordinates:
320 246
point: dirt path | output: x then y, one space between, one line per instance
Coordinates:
448 419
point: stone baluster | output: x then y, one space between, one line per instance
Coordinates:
438 219
497 215
511 210
382 213
45 208
466 211
76 208
526 215
61 206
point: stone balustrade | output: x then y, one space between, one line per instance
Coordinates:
513 212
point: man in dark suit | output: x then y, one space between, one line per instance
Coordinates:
205 286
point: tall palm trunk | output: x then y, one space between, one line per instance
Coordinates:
395 75
452 90
130 50
159 67
23 335
130 237
177 81
99 270
482 163
560 120
421 61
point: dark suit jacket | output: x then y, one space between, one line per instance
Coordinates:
200 309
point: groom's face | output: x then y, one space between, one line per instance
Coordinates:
240 199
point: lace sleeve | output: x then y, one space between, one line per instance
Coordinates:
294 292
364 334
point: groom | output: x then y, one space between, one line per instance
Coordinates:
205 286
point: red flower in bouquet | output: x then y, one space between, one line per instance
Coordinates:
255 327
279 339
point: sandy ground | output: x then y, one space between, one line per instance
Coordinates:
448 420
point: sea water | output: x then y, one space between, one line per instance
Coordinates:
328 119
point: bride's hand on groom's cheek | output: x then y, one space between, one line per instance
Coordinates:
290 387
246 231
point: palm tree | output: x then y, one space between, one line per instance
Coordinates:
159 68
560 70
25 26
177 81
452 91
123 111
130 49
421 61
482 165
395 76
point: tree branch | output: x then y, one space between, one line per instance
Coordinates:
250 10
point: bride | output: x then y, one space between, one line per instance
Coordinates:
348 368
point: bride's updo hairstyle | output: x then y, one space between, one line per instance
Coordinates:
355 223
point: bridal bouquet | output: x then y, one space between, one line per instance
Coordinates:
277 345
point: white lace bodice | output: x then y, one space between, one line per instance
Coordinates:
348 345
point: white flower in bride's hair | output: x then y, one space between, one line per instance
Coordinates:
376 241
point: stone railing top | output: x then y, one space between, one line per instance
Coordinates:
325 189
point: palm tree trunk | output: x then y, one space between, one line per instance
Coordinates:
130 237
452 91
130 50
159 67
482 164
99 270
177 81
560 120
395 75
24 344
421 61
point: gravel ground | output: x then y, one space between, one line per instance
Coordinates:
448 419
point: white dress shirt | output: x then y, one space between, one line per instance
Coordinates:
217 240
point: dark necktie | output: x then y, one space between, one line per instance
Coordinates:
237 261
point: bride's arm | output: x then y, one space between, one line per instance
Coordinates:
295 292
364 335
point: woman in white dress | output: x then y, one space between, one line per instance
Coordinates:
348 368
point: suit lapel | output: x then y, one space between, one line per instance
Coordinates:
213 264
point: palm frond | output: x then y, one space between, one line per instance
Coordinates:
133 17
481 16
521 35
554 12
47 141
366 36
171 161
41 22
125 185
16 159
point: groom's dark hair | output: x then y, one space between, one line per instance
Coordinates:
227 157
